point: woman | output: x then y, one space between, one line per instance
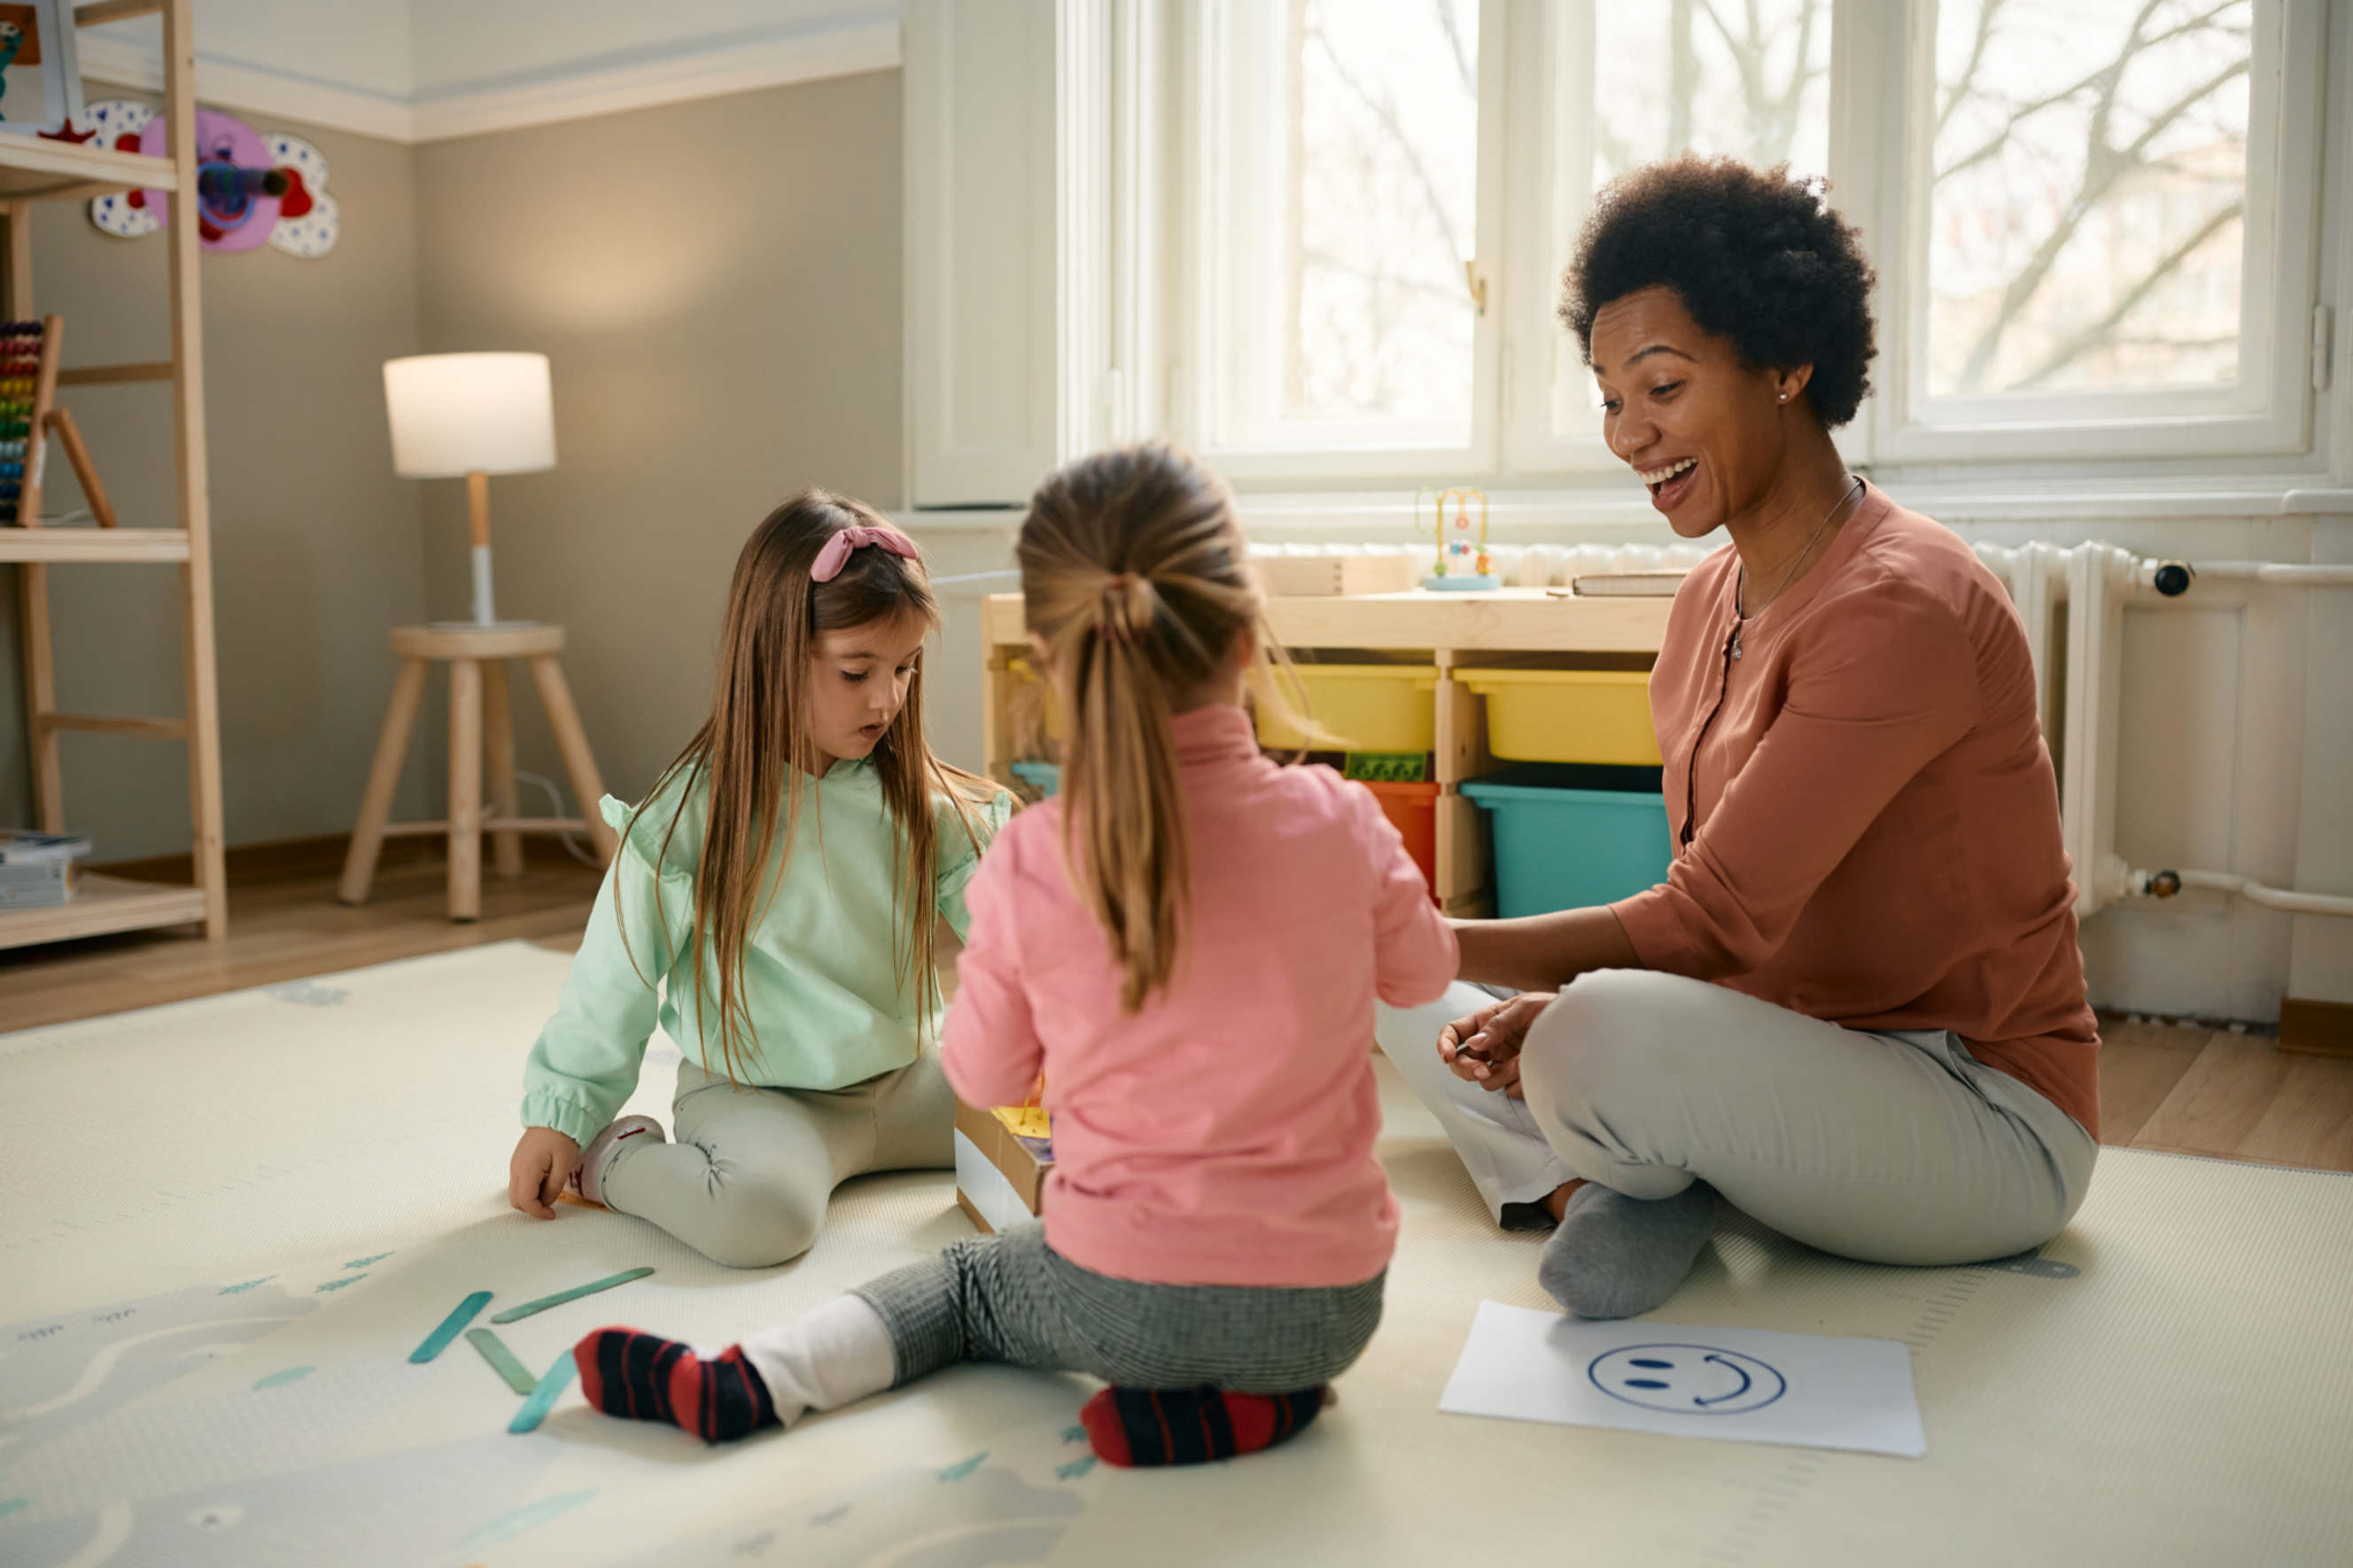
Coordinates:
1855 1008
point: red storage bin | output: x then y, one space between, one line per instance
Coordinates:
1413 808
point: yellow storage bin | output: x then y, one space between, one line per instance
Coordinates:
1370 707
1568 715
1035 703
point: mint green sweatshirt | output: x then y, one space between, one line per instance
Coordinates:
820 987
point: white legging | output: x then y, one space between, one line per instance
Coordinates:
1888 1147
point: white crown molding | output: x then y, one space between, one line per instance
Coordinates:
728 67
235 84
737 67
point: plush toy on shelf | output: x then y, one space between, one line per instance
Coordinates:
252 189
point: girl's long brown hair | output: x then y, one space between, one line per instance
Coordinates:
1136 576
755 754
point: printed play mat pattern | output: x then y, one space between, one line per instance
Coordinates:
225 1226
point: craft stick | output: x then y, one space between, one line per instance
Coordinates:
534 1409
502 1360
438 1340
513 1314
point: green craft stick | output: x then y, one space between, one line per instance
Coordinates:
534 1409
438 1340
513 1314
502 1360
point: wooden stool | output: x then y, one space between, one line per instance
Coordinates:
478 708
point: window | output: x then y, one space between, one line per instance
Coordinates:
2094 220
2105 246
1340 174
1627 85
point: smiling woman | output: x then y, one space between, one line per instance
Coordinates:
1865 1022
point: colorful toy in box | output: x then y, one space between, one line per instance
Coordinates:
1001 1160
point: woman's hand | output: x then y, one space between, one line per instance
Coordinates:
1484 1048
543 1162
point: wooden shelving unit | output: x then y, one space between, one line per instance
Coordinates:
1456 632
34 171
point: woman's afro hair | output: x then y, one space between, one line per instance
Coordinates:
1757 256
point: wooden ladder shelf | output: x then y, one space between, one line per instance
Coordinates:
34 170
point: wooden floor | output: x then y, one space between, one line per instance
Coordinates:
286 928
2189 1091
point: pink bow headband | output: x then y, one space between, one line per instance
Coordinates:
835 553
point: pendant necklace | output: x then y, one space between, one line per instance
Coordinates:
1740 621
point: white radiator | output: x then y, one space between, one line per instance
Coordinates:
2079 691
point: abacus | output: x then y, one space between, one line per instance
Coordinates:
28 413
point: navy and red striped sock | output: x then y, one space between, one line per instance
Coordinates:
1191 1426
624 1371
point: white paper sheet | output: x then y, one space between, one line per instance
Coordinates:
1748 1385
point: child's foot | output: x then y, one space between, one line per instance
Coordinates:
647 1378
1616 1256
588 1175
1192 1425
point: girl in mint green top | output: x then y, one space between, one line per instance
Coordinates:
776 906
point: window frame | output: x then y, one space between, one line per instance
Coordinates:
1880 57
1207 316
2267 413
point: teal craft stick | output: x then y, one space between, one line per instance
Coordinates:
438 1340
502 1360
534 1409
513 1314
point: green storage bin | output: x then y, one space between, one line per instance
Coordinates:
1567 837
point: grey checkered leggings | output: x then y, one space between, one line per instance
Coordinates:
1010 1298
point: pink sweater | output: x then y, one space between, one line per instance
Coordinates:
1866 824
1224 1135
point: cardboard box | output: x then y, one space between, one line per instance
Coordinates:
1000 1181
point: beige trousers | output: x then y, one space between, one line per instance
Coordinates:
746 1176
1891 1147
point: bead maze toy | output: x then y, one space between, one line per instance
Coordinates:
1463 564
29 412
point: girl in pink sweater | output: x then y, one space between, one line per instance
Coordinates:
1188 942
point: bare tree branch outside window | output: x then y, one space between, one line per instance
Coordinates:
2090 167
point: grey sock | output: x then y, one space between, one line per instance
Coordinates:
1616 1256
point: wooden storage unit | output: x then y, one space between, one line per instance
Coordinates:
1452 631
33 170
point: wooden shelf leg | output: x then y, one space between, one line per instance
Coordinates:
92 491
384 779
579 762
40 697
498 738
465 789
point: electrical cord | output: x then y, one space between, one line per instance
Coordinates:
585 855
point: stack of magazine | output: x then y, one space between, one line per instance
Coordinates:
36 869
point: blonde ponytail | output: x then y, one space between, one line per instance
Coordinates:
1136 577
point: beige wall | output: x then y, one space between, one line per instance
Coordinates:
317 544
717 286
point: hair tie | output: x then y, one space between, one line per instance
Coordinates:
835 553
1120 612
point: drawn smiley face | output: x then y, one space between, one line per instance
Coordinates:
1687 1379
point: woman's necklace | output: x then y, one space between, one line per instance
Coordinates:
1740 620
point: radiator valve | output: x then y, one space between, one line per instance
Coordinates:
2172 579
2162 884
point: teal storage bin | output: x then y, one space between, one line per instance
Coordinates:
1046 778
1567 837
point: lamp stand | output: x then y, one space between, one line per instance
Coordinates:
478 519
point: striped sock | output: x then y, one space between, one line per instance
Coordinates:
1191 1426
647 1378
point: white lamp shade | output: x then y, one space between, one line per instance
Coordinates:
458 413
